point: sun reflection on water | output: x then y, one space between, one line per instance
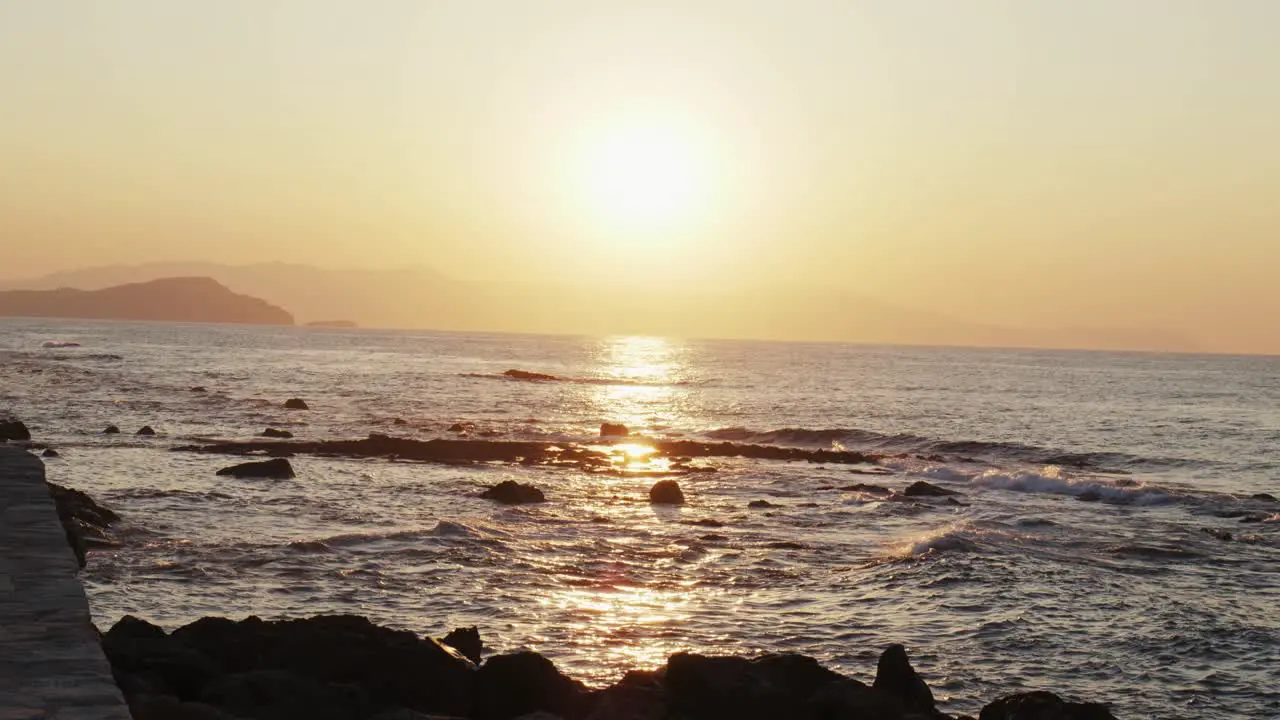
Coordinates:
620 621
649 373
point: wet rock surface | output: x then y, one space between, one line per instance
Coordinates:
920 488
278 468
344 667
83 519
274 433
510 492
296 404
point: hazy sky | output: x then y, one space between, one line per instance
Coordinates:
1083 162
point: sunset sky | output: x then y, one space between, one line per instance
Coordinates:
1071 163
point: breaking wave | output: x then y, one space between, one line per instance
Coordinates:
1054 481
869 440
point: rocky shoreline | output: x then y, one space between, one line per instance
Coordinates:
343 667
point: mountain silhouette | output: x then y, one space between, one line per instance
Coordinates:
184 299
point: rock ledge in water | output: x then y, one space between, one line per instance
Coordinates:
146 430
279 468
510 492
296 404
274 433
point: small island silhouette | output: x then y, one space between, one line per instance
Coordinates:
180 299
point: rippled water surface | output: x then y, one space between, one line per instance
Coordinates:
1079 557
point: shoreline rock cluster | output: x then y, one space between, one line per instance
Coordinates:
343 667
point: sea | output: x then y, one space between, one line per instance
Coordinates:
1105 542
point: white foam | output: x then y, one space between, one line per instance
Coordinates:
947 473
1053 480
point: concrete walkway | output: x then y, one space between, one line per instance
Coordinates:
51 665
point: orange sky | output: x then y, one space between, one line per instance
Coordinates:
1088 163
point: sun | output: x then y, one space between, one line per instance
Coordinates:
644 177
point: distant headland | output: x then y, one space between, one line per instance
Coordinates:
183 299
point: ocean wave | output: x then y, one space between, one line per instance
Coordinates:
869 440
1053 480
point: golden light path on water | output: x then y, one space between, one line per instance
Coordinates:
618 617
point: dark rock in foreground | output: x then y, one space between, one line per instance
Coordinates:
1265 497
274 433
666 492
345 668
84 521
614 430
14 430
323 667
49 453
921 488
896 678
275 468
296 404
508 686
146 430
111 430
466 641
1043 706
510 492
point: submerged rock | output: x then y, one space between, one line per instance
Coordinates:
111 430
1041 705
14 430
509 686
897 679
1089 496
274 433
462 428
274 468
920 488
510 492
869 489
529 376
760 504
466 641
146 430
666 492
614 430
84 521
1265 497
49 453
296 404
